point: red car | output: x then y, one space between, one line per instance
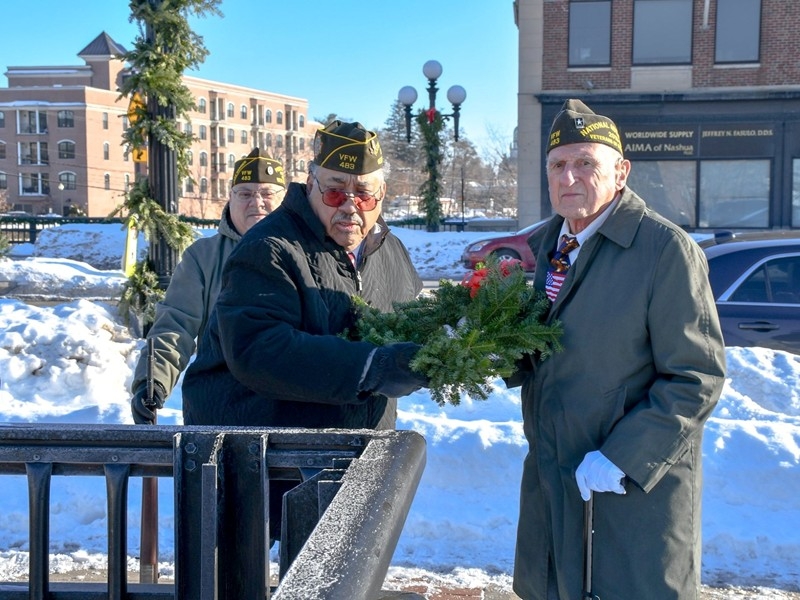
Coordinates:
514 246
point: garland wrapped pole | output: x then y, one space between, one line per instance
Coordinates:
431 124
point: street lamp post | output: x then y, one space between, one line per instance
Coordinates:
431 123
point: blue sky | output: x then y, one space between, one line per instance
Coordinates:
349 58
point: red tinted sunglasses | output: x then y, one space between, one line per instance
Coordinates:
335 197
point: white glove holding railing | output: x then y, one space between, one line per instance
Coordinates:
597 473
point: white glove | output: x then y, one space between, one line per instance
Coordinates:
598 473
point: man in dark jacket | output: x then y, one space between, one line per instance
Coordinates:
618 415
257 188
272 353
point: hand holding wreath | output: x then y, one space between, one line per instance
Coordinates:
470 333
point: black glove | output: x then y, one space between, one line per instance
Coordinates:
389 373
142 414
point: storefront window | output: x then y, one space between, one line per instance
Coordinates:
668 187
796 192
734 193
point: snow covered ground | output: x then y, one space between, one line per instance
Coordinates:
72 363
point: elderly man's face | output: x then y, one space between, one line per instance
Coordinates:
583 180
348 223
251 202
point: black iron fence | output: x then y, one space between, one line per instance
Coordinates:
341 520
25 230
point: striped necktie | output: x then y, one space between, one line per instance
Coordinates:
559 265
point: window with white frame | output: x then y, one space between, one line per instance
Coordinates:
66 118
107 181
68 180
66 149
243 111
202 106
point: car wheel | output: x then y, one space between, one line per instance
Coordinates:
505 254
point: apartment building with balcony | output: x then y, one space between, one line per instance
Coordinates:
62 151
706 94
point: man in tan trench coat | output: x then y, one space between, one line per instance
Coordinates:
619 413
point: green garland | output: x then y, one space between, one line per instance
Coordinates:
467 341
164 49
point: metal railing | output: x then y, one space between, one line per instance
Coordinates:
341 520
25 230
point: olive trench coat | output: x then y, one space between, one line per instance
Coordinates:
642 368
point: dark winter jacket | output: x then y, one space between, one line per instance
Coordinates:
642 367
272 354
182 316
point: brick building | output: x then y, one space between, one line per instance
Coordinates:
706 94
61 144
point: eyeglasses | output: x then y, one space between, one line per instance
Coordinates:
335 198
247 195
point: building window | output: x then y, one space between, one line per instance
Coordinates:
189 185
187 129
301 121
32 121
279 118
2 150
203 132
66 118
231 136
230 110
33 153
231 161
662 32
3 181
202 106
107 181
738 31
669 186
244 136
2 119
189 157
268 116
734 193
106 150
68 180
203 159
126 155
796 192
279 141
243 111
268 142
127 182
66 149
203 185
105 120
302 144
125 122
589 33
302 166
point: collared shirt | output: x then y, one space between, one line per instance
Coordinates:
586 233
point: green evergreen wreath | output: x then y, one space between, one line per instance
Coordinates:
470 332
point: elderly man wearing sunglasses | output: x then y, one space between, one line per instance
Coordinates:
274 353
